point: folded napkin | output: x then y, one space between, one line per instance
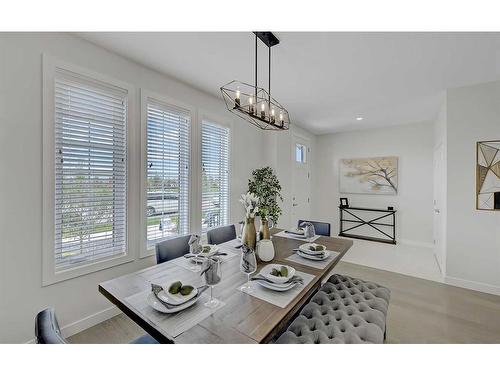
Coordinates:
294 279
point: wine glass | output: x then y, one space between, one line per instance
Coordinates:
213 276
248 265
271 226
195 248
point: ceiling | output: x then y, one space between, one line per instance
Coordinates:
325 80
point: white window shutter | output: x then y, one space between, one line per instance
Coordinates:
215 175
90 170
168 160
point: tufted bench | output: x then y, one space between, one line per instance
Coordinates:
344 311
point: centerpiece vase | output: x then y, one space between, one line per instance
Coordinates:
265 234
249 237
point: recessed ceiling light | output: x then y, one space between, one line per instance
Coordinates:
359 118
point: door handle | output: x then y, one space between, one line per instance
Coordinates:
436 210
295 204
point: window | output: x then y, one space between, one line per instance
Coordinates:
300 153
90 170
215 175
167 180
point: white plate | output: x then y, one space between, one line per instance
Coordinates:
213 250
266 272
305 249
276 287
158 306
200 260
296 232
175 299
326 255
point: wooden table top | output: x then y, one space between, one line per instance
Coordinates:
243 319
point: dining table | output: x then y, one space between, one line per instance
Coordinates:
243 318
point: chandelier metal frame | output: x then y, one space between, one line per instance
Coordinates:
255 104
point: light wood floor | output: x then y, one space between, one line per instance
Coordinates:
420 311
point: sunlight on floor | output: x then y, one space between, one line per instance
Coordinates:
411 260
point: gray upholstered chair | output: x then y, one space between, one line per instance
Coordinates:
47 330
323 229
222 234
172 248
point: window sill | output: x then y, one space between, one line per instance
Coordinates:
85 269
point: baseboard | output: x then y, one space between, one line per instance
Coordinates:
426 245
473 285
87 322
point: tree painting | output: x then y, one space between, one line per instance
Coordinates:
369 175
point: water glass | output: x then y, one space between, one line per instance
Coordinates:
248 265
213 276
195 248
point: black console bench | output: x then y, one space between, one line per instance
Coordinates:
353 215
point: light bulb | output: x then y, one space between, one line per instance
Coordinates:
250 100
281 116
237 99
262 107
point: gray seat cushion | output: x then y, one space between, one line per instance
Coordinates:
345 310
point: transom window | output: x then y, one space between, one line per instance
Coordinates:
300 153
215 175
167 185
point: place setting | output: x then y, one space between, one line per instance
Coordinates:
313 255
198 253
304 232
176 305
278 284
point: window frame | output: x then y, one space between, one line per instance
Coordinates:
49 273
214 120
145 95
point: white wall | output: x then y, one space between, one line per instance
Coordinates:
279 154
473 236
413 144
21 293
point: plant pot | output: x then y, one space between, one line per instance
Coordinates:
249 237
265 234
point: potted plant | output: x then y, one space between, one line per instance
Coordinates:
265 185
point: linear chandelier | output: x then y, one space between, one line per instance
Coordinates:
252 103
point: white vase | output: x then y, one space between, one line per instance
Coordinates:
265 250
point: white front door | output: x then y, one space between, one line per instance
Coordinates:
439 197
301 175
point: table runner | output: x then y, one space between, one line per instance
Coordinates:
294 237
319 264
231 245
281 299
177 323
